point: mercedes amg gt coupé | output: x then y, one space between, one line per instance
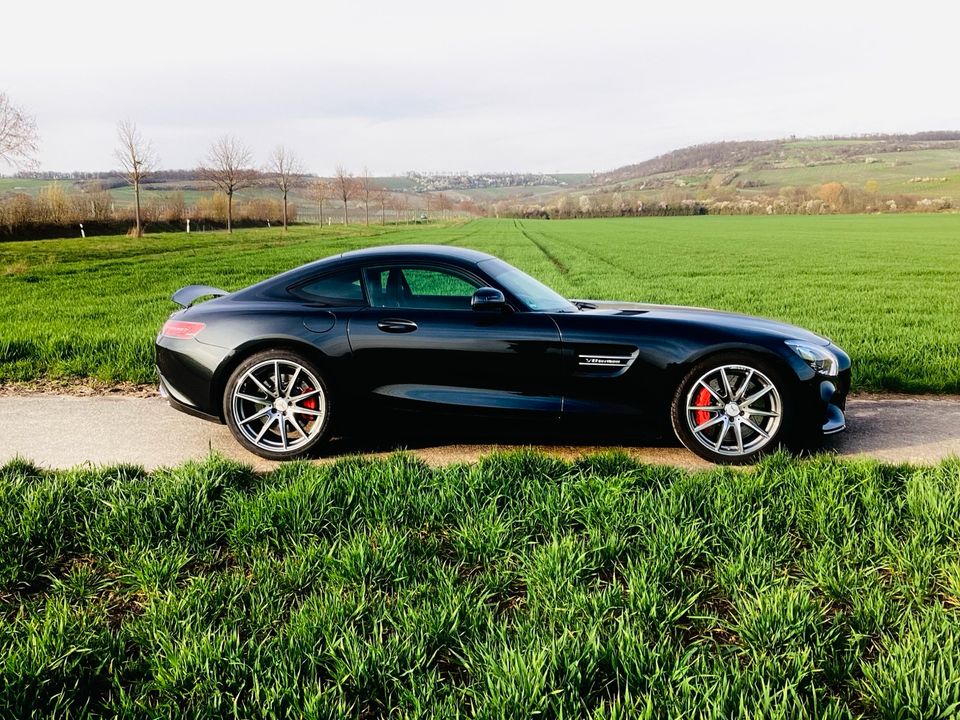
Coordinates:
446 329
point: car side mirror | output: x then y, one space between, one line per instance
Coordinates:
488 299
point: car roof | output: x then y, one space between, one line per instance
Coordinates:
416 251
382 253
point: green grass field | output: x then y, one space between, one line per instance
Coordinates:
518 587
883 287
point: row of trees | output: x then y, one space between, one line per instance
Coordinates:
228 167
831 197
54 207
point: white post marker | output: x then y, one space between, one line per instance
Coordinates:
82 233
188 226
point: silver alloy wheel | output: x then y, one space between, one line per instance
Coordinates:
279 405
734 410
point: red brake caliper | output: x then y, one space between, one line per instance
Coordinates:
702 399
311 402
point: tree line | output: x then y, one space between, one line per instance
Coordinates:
228 168
827 198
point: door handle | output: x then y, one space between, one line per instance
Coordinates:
395 325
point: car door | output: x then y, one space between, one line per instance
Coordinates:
420 344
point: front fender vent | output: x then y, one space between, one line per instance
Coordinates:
606 361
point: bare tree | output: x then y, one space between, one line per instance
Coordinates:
365 187
137 159
320 191
18 134
286 172
228 167
382 196
344 187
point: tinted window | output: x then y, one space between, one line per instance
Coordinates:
341 288
419 287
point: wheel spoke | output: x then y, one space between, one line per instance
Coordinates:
254 398
262 386
298 398
276 378
747 402
756 428
706 408
743 387
738 431
761 413
723 434
266 426
296 425
283 431
726 383
710 423
292 382
305 411
712 392
258 414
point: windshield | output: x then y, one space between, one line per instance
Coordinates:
532 293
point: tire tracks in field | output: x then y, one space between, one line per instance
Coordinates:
470 233
557 262
589 253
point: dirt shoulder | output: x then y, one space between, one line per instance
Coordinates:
66 430
72 387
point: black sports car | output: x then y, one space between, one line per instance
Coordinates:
447 329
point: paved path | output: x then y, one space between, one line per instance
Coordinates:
59 431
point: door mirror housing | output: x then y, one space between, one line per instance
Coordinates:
488 299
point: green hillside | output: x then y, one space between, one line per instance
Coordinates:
925 165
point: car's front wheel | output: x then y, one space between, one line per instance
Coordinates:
731 409
277 404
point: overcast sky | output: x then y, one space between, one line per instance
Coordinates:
480 86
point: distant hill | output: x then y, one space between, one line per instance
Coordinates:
922 163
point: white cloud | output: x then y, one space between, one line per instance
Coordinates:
499 85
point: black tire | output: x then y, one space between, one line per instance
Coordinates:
292 433
739 443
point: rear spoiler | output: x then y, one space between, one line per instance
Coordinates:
186 296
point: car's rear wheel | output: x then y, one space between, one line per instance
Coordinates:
733 408
277 405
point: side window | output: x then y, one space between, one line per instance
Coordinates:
341 289
425 282
419 287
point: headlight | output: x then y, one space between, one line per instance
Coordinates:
819 358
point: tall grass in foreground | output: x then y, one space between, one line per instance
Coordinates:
521 586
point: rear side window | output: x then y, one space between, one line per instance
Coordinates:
342 288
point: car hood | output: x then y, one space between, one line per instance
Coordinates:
706 317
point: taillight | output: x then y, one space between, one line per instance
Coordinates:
180 329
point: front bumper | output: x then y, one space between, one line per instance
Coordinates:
834 401
831 402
